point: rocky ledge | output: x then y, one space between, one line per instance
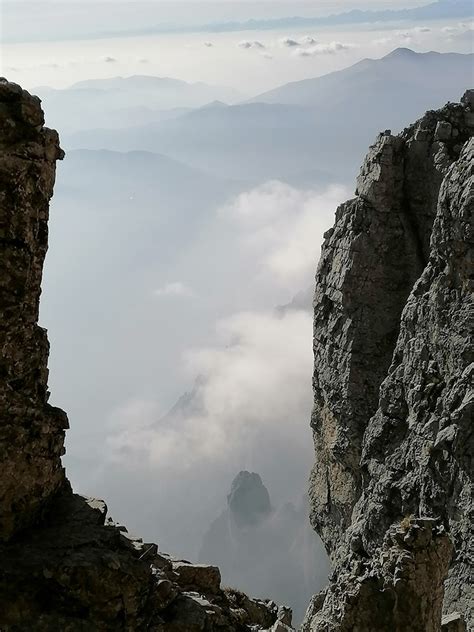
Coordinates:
64 566
392 485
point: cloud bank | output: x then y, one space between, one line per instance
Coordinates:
250 404
279 226
330 48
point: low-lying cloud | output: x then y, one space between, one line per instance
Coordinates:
247 44
288 42
308 46
278 227
251 400
424 35
257 376
331 48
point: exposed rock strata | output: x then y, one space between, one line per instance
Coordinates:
63 566
392 421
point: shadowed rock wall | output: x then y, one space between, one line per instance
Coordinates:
31 431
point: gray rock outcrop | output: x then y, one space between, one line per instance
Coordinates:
63 565
391 489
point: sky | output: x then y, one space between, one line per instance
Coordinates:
73 46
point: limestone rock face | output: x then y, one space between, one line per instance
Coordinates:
32 432
392 419
63 565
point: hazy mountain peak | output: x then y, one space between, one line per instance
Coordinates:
214 105
248 500
402 52
368 81
137 80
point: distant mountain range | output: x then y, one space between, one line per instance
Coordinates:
402 74
122 101
309 132
126 23
442 9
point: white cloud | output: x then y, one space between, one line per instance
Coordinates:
246 44
450 29
257 372
426 35
289 42
459 32
282 227
257 381
175 289
405 35
382 41
308 41
330 48
252 406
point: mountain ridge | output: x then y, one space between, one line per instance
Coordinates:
240 140
364 65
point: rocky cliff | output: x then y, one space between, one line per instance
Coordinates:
391 489
63 565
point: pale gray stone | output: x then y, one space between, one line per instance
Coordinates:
393 405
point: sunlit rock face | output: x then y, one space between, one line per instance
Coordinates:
267 550
391 488
64 565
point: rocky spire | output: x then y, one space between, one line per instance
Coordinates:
248 501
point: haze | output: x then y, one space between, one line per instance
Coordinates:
185 231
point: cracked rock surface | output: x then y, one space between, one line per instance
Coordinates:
393 398
64 565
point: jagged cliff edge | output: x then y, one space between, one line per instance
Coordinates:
392 485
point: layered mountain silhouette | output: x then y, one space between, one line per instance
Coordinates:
375 79
123 101
303 132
